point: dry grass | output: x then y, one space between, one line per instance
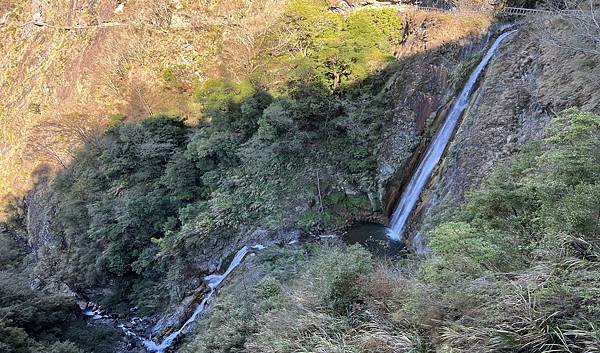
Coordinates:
51 74
435 29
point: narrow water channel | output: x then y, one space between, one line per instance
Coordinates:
213 282
412 192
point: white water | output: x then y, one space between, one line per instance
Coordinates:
213 282
436 149
94 312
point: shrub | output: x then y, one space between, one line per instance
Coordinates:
340 276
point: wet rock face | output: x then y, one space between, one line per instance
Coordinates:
217 248
422 95
177 317
512 106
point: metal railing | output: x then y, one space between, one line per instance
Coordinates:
511 11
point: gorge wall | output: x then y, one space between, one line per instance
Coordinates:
189 194
529 82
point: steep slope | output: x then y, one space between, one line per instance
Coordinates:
60 85
512 266
295 120
515 263
287 141
530 82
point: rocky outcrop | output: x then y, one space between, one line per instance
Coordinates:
527 83
215 252
422 95
178 316
40 204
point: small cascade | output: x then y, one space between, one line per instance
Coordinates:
213 281
436 148
95 313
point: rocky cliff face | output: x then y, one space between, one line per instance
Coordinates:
429 57
526 84
40 204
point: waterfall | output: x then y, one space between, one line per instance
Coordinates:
436 148
213 282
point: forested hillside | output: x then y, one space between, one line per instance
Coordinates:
513 270
35 320
149 195
145 143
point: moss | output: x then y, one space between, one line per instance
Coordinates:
461 73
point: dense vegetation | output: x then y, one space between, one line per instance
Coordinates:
292 144
278 149
515 269
33 321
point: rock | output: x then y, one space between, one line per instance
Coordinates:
36 284
37 19
386 171
180 314
120 8
511 139
40 203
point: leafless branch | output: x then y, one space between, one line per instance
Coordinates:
573 25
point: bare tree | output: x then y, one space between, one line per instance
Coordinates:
56 139
157 14
581 22
250 37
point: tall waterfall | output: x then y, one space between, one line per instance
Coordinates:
436 148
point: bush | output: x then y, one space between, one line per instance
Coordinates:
141 202
340 276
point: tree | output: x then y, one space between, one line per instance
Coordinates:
56 139
581 18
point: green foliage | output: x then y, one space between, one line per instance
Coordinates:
233 319
461 74
233 107
64 347
276 309
522 252
139 204
34 321
340 276
13 211
330 52
513 270
123 192
13 339
168 77
549 192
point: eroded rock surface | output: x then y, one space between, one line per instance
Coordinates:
524 86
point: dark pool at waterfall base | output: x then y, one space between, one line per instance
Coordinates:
374 237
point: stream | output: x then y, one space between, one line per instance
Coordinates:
412 192
373 236
213 281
